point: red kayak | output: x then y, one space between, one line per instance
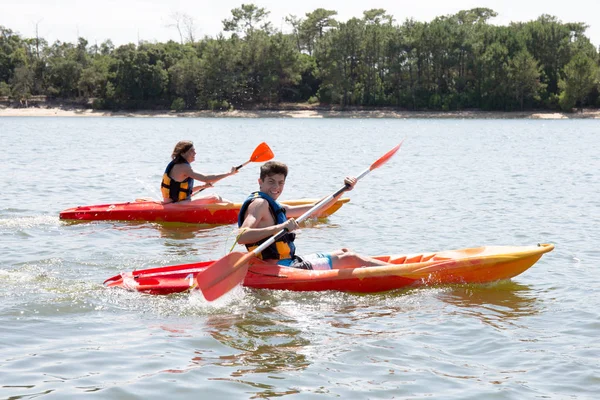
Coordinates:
473 265
185 212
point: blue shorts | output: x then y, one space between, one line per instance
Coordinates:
317 261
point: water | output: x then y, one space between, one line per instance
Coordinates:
455 184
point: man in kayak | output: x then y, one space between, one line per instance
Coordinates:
261 217
178 179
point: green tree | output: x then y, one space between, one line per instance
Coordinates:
339 55
524 75
309 84
94 78
549 42
581 75
10 42
416 65
185 78
107 47
139 77
246 19
296 23
377 33
22 83
4 89
314 27
494 77
63 70
222 77
285 68
178 104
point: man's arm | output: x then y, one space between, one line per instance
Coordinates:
297 211
258 214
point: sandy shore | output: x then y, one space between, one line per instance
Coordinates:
295 113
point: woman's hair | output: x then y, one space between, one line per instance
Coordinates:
181 148
273 168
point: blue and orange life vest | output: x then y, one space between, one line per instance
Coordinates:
172 189
281 249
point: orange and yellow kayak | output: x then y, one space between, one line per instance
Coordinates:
472 265
185 212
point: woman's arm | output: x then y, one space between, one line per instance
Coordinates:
210 178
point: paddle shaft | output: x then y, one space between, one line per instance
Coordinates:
236 168
242 165
261 153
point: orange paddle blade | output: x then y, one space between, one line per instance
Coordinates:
385 157
262 153
223 275
224 286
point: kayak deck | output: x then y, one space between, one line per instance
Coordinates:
184 212
472 265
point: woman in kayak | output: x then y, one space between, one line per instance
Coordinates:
261 217
178 179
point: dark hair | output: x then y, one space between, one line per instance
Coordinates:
180 148
273 168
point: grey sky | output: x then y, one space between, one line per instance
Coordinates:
125 21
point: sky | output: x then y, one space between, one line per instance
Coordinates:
127 21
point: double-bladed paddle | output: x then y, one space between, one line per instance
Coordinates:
226 273
261 153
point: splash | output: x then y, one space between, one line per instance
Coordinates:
34 221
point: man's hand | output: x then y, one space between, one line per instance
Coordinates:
350 181
291 225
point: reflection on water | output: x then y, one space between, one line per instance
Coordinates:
182 231
495 304
177 236
185 239
264 344
256 342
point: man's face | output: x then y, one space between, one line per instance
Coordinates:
272 185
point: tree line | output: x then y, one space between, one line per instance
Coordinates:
453 62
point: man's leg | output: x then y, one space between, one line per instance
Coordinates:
345 258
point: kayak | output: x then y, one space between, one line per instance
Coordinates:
185 212
472 265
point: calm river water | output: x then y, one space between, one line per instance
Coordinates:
455 184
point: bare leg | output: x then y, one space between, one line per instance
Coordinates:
210 199
345 258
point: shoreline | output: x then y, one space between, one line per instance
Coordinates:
296 113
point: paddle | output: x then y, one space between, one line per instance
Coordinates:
226 273
261 153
